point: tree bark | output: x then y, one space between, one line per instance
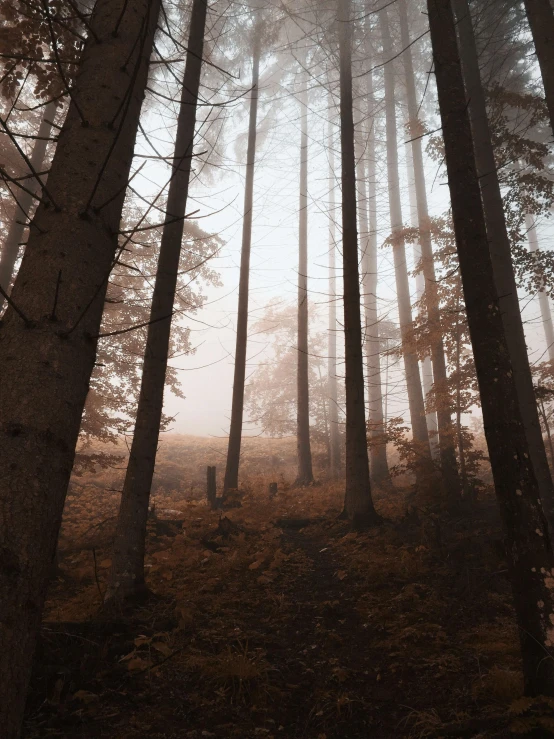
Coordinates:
379 467
529 553
447 449
459 430
500 251
231 480
426 364
544 302
126 577
547 429
540 15
47 358
334 436
10 250
305 474
411 364
358 501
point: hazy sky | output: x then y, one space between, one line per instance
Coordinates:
206 377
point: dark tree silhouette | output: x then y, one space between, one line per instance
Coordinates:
529 553
127 571
358 501
49 332
231 480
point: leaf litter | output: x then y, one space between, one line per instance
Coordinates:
261 629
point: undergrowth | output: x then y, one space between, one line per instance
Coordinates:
266 628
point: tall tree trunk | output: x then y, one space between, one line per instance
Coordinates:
426 364
379 467
10 249
378 473
127 572
231 480
544 415
528 548
499 245
334 435
325 422
411 364
447 449
544 302
49 334
459 431
540 15
305 473
358 501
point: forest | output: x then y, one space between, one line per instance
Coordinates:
276 369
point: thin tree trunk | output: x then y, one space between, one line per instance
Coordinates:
334 436
411 364
378 474
325 422
426 364
499 245
379 467
461 450
540 15
127 572
231 480
530 559
305 474
10 249
447 450
47 357
544 302
547 429
358 501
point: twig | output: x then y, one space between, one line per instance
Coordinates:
59 64
98 208
96 575
159 225
123 9
37 59
84 21
7 177
159 664
14 306
127 98
133 328
53 316
28 163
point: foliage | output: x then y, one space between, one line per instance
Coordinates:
33 31
271 392
111 402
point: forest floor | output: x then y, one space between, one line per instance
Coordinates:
276 626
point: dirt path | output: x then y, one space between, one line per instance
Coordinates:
292 643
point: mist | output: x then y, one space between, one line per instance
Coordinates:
276 368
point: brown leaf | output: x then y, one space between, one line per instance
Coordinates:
85 696
160 646
138 664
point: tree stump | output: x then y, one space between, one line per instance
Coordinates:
212 487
